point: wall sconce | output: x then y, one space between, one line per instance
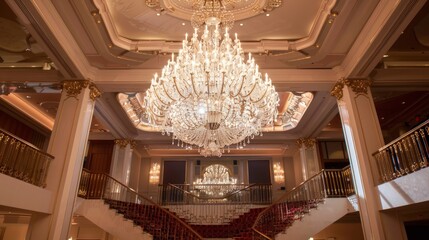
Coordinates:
154 173
279 173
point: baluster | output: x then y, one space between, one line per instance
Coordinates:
390 170
380 167
423 146
402 157
407 154
4 140
416 151
412 153
398 162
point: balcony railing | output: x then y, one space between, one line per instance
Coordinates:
212 204
22 160
151 217
405 155
296 203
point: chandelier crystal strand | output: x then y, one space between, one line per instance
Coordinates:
209 95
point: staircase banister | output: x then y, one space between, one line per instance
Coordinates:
285 195
150 201
226 196
26 143
402 136
281 199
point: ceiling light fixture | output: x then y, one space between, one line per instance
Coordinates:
209 96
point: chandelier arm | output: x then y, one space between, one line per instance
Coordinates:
223 84
177 89
262 97
156 105
160 116
159 98
251 91
193 85
239 90
166 93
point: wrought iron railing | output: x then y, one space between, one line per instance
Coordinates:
405 155
152 218
296 203
206 205
22 160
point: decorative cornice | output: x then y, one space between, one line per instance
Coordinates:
358 86
307 142
124 142
74 88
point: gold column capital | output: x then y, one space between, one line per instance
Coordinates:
94 92
337 90
358 86
124 142
74 87
307 142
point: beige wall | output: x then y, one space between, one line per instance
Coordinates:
289 168
14 231
341 231
297 166
135 171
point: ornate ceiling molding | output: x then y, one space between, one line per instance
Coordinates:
324 17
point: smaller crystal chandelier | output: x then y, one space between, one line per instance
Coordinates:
210 96
216 181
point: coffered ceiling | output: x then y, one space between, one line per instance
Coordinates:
304 45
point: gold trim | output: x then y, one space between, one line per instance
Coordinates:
337 90
94 92
358 86
124 142
74 87
307 142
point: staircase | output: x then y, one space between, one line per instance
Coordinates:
132 207
239 229
308 208
98 212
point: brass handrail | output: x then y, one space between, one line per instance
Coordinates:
22 160
404 155
214 198
213 210
326 183
142 197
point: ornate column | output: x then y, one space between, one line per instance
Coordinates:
67 145
363 137
309 157
121 162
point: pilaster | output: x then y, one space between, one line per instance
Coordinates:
309 157
363 137
121 162
67 144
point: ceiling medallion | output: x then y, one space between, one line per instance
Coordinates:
240 9
210 96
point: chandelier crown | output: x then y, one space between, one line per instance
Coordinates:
209 95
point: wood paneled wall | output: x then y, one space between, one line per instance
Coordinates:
22 130
99 156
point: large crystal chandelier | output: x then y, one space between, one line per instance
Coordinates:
210 96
